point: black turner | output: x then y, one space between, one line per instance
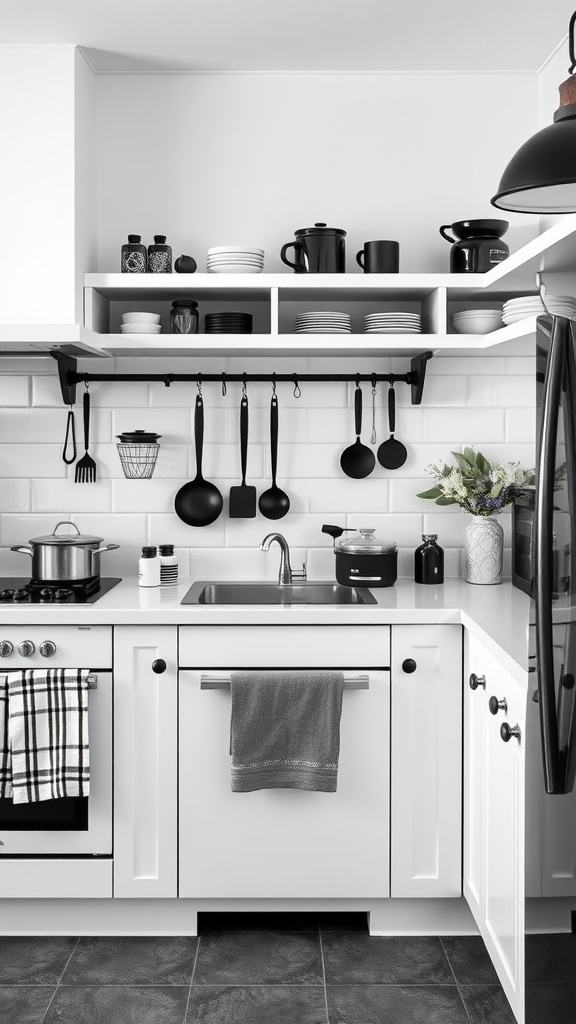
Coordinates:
243 496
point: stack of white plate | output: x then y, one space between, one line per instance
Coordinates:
327 322
140 323
532 305
477 321
393 323
235 259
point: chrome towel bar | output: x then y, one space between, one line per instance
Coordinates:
223 682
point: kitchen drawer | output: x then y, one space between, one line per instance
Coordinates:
284 646
76 646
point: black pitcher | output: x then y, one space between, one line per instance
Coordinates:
318 250
479 246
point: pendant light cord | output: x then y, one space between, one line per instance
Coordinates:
571 43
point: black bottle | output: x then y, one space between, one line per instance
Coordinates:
429 561
159 256
134 256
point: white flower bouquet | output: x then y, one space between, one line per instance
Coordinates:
475 484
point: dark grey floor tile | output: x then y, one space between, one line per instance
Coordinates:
469 960
258 958
132 961
551 959
550 1004
118 1005
352 958
21 1004
487 1004
285 922
251 1005
388 1004
33 961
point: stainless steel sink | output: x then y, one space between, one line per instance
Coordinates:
276 593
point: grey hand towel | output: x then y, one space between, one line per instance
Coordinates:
285 730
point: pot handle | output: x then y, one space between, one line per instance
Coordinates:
442 231
284 258
107 547
65 522
26 549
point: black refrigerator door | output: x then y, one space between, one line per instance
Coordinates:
555 550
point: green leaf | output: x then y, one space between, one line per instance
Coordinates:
471 457
446 501
434 492
483 465
462 461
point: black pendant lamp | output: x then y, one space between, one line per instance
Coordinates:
541 176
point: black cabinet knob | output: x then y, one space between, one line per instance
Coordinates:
159 666
409 665
496 705
476 681
508 731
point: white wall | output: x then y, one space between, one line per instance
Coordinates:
224 158
216 159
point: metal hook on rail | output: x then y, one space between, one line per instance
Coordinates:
273 385
297 388
199 385
224 388
244 388
167 382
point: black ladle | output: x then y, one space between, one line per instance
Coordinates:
358 460
274 503
392 454
198 503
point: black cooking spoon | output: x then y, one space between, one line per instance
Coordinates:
392 454
274 503
357 460
198 503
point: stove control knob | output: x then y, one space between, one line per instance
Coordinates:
47 648
22 595
26 648
6 648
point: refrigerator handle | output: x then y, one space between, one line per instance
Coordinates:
545 480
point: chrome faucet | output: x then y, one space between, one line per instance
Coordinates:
285 573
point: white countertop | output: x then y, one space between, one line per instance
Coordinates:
497 615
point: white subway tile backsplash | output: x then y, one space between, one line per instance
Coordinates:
14 390
59 495
14 495
519 391
487 402
454 424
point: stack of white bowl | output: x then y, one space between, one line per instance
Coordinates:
235 259
531 305
140 323
477 321
393 323
324 322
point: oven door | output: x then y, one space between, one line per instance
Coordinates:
73 825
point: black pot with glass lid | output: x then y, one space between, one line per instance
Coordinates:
363 560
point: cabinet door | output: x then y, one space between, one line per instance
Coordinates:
145 761
494 818
426 733
284 843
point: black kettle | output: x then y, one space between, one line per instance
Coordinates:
317 250
479 246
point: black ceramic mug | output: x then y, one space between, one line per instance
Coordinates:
382 257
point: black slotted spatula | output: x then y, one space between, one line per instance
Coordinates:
243 496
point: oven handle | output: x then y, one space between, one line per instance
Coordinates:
361 682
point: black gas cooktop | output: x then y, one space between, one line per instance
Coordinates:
19 590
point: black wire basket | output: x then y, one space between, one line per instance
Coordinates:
138 460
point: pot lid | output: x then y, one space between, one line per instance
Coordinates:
365 543
138 437
68 539
320 229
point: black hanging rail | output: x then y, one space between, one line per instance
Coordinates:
70 377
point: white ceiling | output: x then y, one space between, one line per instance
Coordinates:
296 35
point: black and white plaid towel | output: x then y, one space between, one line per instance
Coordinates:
5 756
46 736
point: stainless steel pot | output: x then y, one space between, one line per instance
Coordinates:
65 557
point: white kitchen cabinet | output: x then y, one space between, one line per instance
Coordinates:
145 761
426 738
285 843
494 788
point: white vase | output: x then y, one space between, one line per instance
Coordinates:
484 550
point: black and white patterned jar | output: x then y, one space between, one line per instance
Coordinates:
159 256
134 256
